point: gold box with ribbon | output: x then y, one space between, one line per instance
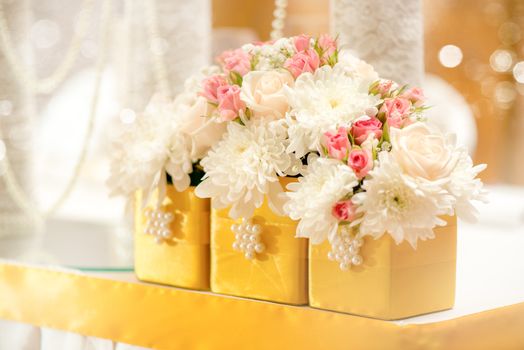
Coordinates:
393 281
182 259
278 273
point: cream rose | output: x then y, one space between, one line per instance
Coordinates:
423 152
263 92
193 116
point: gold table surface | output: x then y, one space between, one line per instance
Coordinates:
117 308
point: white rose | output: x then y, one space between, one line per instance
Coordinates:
263 92
357 68
193 117
424 152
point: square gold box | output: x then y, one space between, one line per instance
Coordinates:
278 274
394 281
182 261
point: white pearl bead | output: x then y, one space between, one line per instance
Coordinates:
357 260
353 250
256 229
337 256
358 242
245 237
168 216
254 238
166 233
344 266
260 247
249 255
163 225
159 215
238 236
250 247
242 246
236 245
158 240
247 227
235 228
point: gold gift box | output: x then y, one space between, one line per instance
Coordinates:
278 274
182 261
394 281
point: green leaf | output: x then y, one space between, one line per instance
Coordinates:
385 133
235 78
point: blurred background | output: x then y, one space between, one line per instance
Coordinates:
72 72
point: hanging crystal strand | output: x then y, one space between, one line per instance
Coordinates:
388 34
167 43
20 226
277 26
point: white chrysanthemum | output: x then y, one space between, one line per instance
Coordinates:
313 196
138 155
147 148
321 102
465 187
405 207
245 166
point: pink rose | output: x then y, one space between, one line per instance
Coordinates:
301 42
361 161
301 62
337 144
415 95
344 210
395 122
328 46
210 86
237 61
383 87
362 128
396 110
229 102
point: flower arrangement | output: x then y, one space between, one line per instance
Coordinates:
367 162
277 99
386 172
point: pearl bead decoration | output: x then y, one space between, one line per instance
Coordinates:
345 250
158 223
247 239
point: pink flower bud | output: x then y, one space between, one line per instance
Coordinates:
361 161
337 144
344 210
362 128
237 61
210 86
229 102
301 42
301 62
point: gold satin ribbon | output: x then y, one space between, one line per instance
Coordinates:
278 274
394 281
184 260
171 318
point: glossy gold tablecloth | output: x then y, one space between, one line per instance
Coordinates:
171 318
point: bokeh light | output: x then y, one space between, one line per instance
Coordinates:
501 60
450 56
